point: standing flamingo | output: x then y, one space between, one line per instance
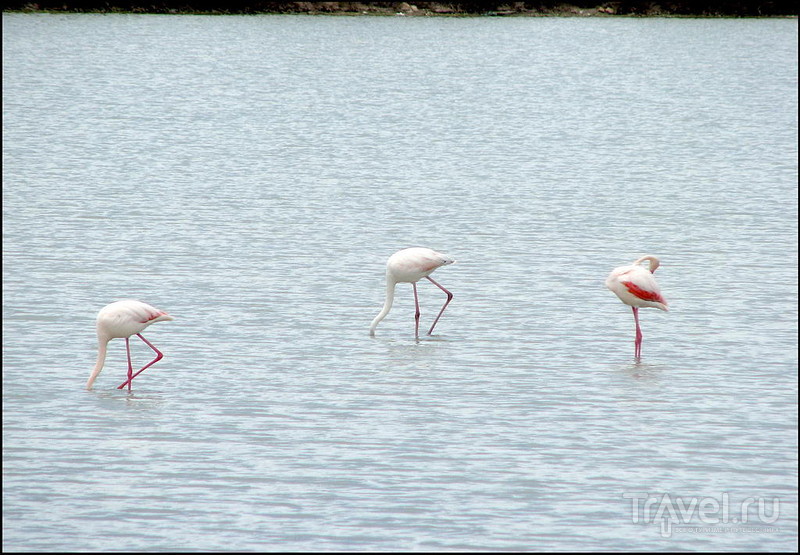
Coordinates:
636 286
123 319
409 266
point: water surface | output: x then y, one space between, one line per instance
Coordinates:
251 175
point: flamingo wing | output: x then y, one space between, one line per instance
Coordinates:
643 293
153 315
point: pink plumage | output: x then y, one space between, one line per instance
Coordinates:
123 319
635 286
409 266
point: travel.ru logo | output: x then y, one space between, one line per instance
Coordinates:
703 514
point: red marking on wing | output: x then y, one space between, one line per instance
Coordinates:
644 294
429 265
153 316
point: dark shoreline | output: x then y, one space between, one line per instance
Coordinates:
576 8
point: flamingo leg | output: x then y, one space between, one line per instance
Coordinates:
416 313
159 356
130 364
447 302
637 350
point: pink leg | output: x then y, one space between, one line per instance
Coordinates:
130 365
416 314
637 350
447 302
159 356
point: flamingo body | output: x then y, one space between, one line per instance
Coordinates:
409 266
636 287
124 319
412 264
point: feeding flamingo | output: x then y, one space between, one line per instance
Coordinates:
635 286
409 266
123 319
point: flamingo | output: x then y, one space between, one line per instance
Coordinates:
123 319
409 266
635 286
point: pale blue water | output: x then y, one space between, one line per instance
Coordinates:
251 175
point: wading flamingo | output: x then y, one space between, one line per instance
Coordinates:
123 319
635 286
409 266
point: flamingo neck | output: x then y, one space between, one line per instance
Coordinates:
654 263
102 349
387 306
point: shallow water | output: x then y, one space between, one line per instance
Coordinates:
251 175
